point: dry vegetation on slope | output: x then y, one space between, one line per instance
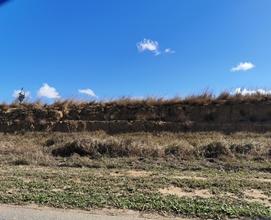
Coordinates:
49 149
191 174
206 175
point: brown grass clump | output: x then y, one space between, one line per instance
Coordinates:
180 150
203 99
72 148
269 153
215 150
68 104
241 149
4 107
223 96
95 148
21 161
50 142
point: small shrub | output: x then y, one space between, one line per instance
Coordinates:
70 149
49 142
241 149
96 148
19 162
215 150
223 96
180 150
269 153
202 99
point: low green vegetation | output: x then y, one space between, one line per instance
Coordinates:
205 175
224 194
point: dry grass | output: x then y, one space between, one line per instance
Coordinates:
110 147
81 149
201 99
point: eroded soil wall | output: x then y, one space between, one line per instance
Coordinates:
228 117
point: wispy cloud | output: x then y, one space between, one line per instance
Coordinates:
244 91
16 94
148 45
243 66
169 50
49 92
88 92
153 47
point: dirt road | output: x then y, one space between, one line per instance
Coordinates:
30 213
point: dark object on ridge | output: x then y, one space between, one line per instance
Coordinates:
21 96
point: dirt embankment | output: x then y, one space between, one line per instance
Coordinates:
138 116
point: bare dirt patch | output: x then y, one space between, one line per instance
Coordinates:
203 193
190 177
12 191
131 173
263 180
138 173
57 190
229 195
254 195
117 174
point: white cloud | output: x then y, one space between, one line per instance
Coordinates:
169 50
148 45
244 91
48 92
16 94
245 66
87 92
153 47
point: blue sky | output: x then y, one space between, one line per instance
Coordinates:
189 46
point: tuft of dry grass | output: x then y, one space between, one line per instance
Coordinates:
181 149
215 150
202 99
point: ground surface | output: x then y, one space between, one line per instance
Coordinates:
205 193
38 213
201 175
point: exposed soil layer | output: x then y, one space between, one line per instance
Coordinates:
116 117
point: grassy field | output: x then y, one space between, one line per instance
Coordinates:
206 175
